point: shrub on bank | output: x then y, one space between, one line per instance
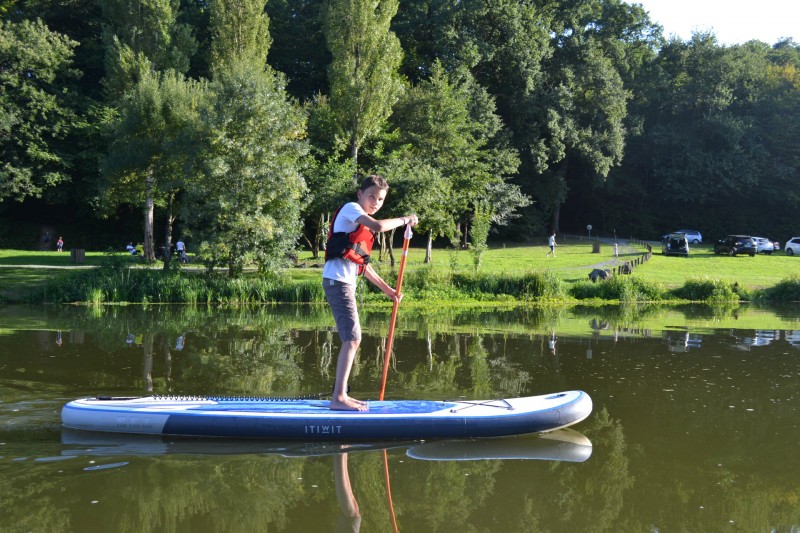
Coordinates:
710 290
116 283
627 289
113 283
787 290
539 285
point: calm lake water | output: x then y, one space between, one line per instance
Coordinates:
695 426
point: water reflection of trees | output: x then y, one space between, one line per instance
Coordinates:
255 492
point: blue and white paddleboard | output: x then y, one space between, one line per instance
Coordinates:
314 420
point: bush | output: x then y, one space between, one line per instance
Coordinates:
627 289
787 290
532 286
709 290
542 285
114 282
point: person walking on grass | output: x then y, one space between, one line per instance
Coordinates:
59 245
552 243
350 240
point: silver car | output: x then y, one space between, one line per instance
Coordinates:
764 245
692 235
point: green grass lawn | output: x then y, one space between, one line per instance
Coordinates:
51 259
23 270
572 262
756 272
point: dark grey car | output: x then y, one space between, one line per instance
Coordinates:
735 245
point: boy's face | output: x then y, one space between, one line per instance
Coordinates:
371 199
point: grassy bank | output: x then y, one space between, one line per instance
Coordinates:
508 274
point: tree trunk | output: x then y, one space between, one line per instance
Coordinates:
391 249
382 243
354 153
429 345
167 363
147 371
168 231
556 216
429 248
149 251
320 237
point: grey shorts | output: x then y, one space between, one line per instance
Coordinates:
342 299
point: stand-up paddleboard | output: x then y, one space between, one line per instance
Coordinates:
314 420
559 445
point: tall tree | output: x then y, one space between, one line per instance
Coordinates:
239 33
37 109
580 108
248 203
449 123
363 75
557 70
142 37
504 45
247 207
154 144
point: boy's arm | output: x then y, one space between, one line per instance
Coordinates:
379 226
373 276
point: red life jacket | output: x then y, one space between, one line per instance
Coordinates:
354 246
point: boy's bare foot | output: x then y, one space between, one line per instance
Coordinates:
348 404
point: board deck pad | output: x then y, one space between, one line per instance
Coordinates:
312 419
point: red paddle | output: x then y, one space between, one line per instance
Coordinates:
390 339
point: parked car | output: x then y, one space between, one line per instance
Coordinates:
793 246
736 244
675 244
692 235
766 246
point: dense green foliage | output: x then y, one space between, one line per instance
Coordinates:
567 114
787 290
37 109
709 290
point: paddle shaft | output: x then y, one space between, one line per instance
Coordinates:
393 319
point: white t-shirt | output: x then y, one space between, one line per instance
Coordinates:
341 269
180 246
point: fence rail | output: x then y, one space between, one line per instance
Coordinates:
628 266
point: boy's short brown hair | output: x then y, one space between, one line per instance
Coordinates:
374 180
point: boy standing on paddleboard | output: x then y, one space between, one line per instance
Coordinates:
350 240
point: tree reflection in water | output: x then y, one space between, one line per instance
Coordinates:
708 433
